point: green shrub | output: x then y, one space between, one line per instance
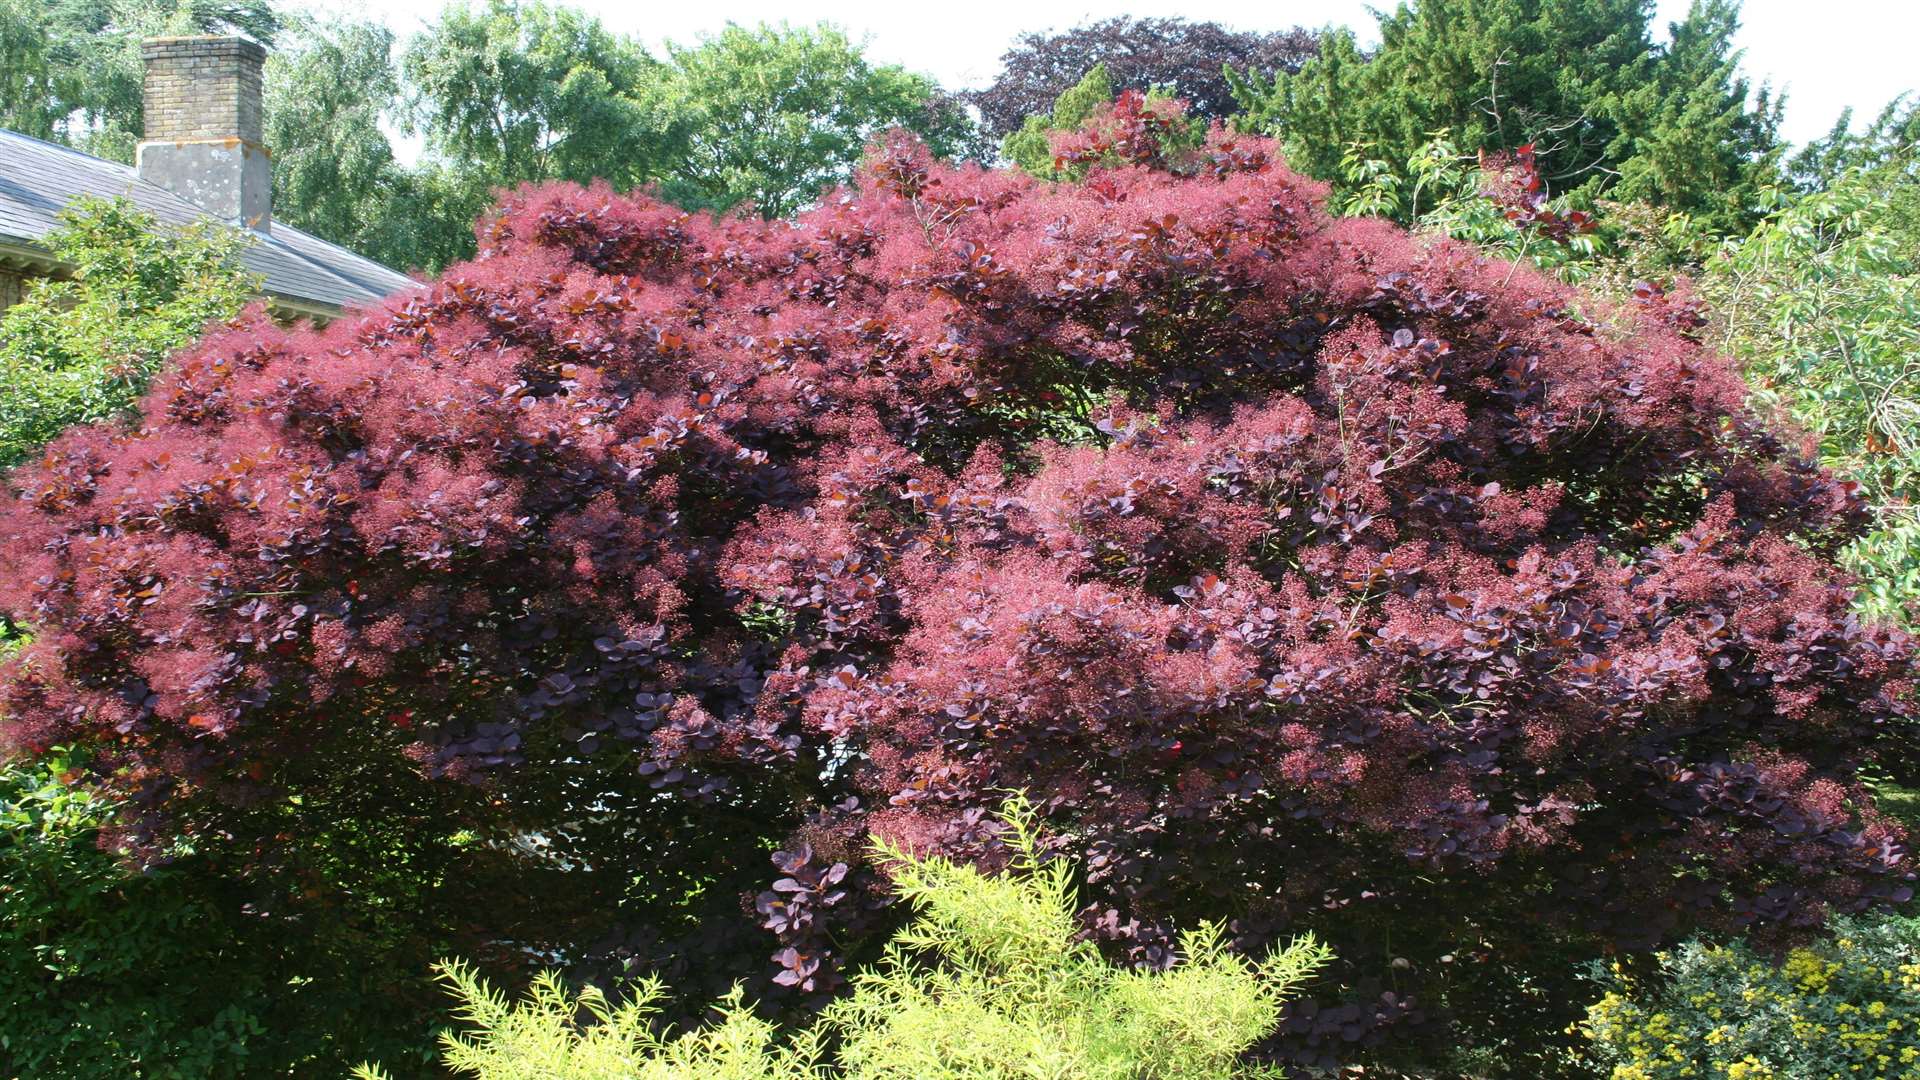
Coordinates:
105 974
82 350
1845 1007
1009 990
991 979
175 973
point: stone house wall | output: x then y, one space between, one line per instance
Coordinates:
11 285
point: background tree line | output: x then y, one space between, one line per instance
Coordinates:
504 92
500 93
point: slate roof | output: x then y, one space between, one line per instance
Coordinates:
38 179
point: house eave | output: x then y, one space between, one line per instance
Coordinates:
15 255
294 306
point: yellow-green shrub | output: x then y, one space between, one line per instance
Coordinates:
990 980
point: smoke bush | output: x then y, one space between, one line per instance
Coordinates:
1305 575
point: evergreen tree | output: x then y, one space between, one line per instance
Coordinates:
1694 138
1028 147
1606 109
1319 111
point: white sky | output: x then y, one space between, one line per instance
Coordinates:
1827 54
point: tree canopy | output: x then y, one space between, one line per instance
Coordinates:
1582 82
511 91
771 115
1184 59
71 69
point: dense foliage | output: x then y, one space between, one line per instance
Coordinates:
1500 203
171 974
1187 60
991 979
82 349
1582 81
772 116
1822 305
77 939
1307 576
1845 1007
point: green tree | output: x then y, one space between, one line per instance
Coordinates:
426 220
1319 111
1496 73
1887 144
1885 157
1580 80
82 350
328 89
508 91
80 76
29 95
1694 137
1029 147
1821 307
332 92
771 115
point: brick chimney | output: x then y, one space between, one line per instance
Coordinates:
203 119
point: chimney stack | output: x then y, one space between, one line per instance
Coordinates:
203 126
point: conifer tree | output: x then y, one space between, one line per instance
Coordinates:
1694 139
1028 147
1583 82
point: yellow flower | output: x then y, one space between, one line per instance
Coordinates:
1749 1068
